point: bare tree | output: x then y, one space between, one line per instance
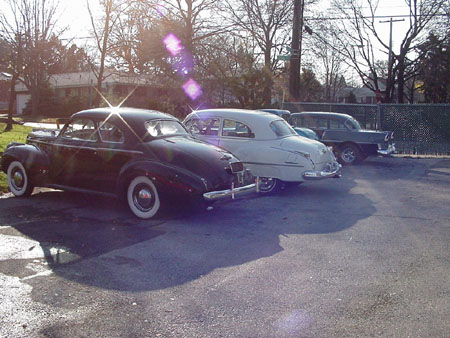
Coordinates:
196 18
359 32
29 27
325 50
102 28
268 23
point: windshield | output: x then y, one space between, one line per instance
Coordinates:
352 124
158 128
281 128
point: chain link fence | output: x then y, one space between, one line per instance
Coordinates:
422 129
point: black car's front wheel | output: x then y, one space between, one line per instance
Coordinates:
143 198
18 181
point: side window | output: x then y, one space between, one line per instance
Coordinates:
203 127
335 124
350 125
81 129
236 129
308 122
111 133
298 121
321 123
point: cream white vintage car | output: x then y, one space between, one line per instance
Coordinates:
266 144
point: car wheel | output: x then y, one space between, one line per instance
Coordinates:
349 154
18 181
143 198
269 185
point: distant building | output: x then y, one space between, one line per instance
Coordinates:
81 84
4 90
363 95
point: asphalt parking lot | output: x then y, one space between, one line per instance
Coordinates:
367 255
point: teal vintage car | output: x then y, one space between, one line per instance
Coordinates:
350 142
306 132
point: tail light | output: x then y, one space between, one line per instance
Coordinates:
236 167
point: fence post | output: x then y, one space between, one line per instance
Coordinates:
379 118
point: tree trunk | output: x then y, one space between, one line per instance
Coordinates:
401 83
267 91
34 101
12 99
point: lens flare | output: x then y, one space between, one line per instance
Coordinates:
173 44
192 89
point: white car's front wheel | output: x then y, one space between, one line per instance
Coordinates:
143 198
269 185
18 181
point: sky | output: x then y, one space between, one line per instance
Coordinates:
74 14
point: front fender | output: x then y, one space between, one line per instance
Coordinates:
168 179
32 158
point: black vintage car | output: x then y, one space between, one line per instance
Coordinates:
350 142
141 156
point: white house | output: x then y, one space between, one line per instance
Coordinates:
81 84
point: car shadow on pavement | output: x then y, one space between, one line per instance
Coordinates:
97 242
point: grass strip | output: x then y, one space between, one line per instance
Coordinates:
17 134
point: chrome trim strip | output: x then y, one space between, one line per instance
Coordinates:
275 164
222 194
88 148
296 152
340 141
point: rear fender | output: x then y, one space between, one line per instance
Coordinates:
34 160
169 180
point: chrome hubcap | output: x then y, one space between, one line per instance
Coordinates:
18 179
348 155
266 183
143 198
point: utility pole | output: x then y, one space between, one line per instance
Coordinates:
295 60
390 61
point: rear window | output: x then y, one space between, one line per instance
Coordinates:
352 124
281 128
158 128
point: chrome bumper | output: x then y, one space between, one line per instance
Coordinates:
333 171
386 152
221 194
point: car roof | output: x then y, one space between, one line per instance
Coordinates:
323 114
124 112
258 121
276 111
128 118
242 114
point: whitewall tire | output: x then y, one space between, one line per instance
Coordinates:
18 181
143 198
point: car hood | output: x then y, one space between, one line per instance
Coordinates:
198 157
44 134
318 152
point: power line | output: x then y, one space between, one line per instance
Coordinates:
370 17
